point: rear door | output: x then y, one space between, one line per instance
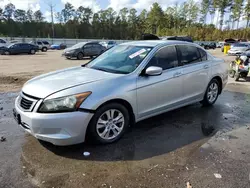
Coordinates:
195 71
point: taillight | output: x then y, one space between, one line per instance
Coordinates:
241 67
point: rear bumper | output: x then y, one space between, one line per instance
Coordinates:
58 128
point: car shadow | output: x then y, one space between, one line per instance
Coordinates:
151 137
164 133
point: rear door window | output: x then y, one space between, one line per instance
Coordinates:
166 58
203 54
188 54
39 43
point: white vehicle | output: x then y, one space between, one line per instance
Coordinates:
43 45
239 48
3 43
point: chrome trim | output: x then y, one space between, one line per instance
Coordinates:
27 98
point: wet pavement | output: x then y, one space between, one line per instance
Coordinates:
190 144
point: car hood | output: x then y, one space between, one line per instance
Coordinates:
47 84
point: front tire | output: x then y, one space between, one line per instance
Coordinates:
108 124
7 53
80 56
212 93
32 51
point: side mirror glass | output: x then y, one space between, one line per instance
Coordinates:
153 71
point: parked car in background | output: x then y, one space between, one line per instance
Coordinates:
61 46
111 44
208 45
84 49
239 48
219 44
180 38
126 84
19 48
3 42
43 45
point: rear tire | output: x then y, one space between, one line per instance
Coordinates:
96 129
7 53
44 49
212 93
80 56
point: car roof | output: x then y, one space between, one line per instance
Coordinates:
154 43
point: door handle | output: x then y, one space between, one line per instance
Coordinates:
205 66
177 74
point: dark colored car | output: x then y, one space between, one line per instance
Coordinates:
19 48
208 45
180 38
84 49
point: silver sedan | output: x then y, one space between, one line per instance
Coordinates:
126 84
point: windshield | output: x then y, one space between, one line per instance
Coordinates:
79 45
122 59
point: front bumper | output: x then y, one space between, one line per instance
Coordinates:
69 55
57 128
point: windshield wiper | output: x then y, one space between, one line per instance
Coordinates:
109 70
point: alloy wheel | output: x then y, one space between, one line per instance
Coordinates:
110 124
212 92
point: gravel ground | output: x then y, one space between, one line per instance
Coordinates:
207 147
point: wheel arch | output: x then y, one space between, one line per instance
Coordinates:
219 79
126 104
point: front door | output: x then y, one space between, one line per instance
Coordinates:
156 94
195 71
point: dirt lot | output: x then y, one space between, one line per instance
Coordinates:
17 69
208 147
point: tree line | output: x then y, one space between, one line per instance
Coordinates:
208 20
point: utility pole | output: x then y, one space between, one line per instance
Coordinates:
52 21
51 8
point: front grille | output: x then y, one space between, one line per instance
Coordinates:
25 103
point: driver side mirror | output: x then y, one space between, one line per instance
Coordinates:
153 71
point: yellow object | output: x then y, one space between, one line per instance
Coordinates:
226 48
238 61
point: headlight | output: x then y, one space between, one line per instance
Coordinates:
63 104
